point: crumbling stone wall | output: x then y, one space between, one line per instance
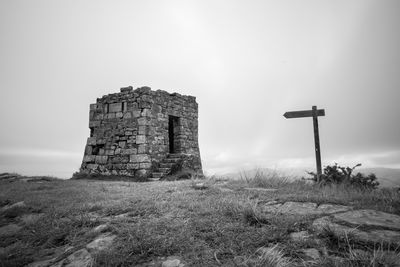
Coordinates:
132 131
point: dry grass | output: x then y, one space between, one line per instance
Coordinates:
207 227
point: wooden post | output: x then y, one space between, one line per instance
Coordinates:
314 113
316 140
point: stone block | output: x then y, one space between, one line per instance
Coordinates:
89 158
119 166
93 106
140 139
101 159
122 144
139 158
98 116
146 112
142 149
91 141
126 89
115 107
128 115
142 121
100 141
119 115
88 150
94 124
145 165
136 113
128 151
142 130
142 173
92 167
109 116
132 166
109 152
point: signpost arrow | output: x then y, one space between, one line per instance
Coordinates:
314 113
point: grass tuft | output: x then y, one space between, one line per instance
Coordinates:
268 257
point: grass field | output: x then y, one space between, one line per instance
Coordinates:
218 224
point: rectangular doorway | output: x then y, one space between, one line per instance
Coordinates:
173 128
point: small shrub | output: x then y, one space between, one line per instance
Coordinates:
336 174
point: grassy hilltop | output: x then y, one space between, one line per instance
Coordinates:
208 222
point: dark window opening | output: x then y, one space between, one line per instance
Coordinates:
173 123
107 108
91 131
124 107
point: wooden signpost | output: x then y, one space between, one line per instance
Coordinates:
314 113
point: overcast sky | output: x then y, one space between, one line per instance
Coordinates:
247 62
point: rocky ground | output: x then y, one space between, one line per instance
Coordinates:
306 229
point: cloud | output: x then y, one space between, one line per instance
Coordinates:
40 153
40 162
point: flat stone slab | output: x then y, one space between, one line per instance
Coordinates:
304 208
100 228
300 236
259 189
224 189
370 218
311 253
171 261
331 208
80 258
375 236
102 242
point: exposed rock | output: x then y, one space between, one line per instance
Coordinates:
300 236
331 208
100 228
311 253
272 202
303 208
80 258
260 189
224 189
342 231
172 262
221 183
102 242
9 230
370 218
43 263
200 186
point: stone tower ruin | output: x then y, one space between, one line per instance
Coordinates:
142 133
